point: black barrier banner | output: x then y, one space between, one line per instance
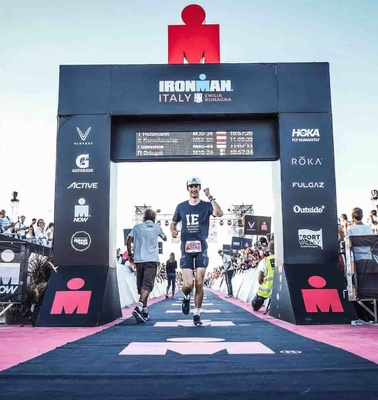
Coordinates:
236 244
257 225
226 249
365 252
13 272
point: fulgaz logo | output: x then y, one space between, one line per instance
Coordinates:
308 185
197 91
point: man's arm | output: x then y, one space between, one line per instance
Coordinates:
260 278
174 231
129 241
217 211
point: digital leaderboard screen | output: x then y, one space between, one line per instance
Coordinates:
235 140
226 143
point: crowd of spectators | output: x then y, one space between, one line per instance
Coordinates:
35 232
346 223
242 260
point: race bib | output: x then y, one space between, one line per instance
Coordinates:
193 246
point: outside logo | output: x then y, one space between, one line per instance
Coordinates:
83 136
81 213
308 185
308 210
82 163
309 239
83 185
80 241
305 135
197 91
302 160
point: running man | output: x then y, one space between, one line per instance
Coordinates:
144 259
194 215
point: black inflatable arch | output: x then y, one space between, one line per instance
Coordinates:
102 109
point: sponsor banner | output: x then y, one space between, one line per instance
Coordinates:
308 192
82 191
238 243
257 225
167 89
311 294
226 249
13 272
80 296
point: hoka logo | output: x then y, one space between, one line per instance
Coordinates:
305 135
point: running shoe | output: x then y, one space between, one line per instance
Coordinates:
146 315
185 306
197 320
138 315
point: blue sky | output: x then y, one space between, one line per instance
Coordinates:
37 37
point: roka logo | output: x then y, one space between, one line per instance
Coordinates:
305 135
302 160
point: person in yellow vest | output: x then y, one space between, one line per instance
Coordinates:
265 278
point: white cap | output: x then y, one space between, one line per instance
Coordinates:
193 181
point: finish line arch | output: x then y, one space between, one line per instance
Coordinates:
113 113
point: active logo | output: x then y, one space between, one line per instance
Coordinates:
308 210
308 185
81 213
83 185
309 239
81 241
302 161
305 135
82 163
197 91
83 136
